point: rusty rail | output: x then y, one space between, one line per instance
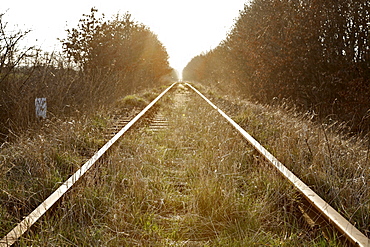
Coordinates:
29 220
337 220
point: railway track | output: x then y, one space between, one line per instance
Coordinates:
313 207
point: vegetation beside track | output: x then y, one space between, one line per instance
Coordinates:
333 163
103 59
311 54
41 159
183 186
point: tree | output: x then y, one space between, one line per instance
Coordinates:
314 53
118 50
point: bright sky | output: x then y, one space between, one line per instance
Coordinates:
185 27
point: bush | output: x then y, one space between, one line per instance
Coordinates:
313 54
103 60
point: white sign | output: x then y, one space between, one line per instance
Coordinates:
40 104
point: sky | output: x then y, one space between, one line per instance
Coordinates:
185 27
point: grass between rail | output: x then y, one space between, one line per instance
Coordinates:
196 183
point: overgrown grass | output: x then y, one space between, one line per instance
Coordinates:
195 184
334 164
35 165
132 101
41 159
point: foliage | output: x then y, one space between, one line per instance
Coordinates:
314 53
195 183
103 60
11 57
120 47
132 101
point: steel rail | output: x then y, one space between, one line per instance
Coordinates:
336 219
29 220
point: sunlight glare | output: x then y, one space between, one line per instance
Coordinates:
185 28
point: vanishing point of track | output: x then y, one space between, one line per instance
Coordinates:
315 207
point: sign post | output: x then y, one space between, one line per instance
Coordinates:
40 104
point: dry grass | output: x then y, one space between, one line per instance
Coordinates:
187 185
36 164
40 160
334 164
